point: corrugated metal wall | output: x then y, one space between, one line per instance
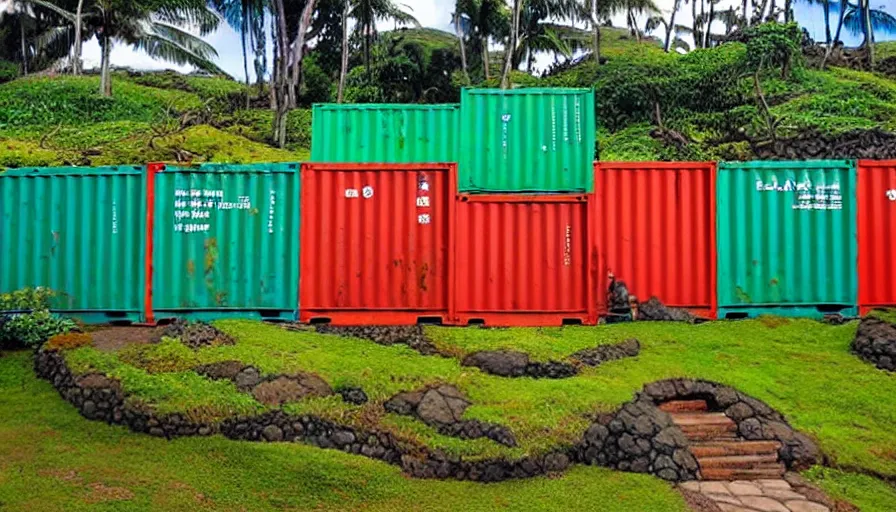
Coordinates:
787 237
527 140
524 260
226 241
77 231
877 234
385 133
377 243
655 224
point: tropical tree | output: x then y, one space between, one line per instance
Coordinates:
367 12
511 47
242 16
462 28
156 27
669 26
861 19
489 20
541 29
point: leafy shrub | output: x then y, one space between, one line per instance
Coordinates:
27 299
69 341
9 71
30 330
774 45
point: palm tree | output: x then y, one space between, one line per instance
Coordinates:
241 15
367 12
635 8
489 21
862 19
462 27
540 31
153 26
511 46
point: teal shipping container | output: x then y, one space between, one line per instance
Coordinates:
787 238
374 133
225 241
78 232
527 140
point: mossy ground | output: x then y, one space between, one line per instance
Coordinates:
52 459
802 368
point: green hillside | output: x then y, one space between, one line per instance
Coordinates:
652 105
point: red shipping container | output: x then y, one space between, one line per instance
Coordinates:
377 243
524 260
877 234
656 231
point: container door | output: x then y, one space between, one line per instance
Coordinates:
877 235
787 238
376 243
225 241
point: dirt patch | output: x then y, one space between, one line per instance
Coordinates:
196 335
698 502
223 370
285 389
113 339
100 493
97 381
65 475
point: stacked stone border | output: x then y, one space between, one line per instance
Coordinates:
638 437
100 398
643 439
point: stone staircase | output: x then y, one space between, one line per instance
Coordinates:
722 455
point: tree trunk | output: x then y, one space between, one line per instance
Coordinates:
511 48
788 10
771 11
24 48
261 53
830 48
696 31
367 52
244 29
281 79
745 15
485 59
671 26
869 31
463 50
105 65
76 59
343 67
707 32
596 21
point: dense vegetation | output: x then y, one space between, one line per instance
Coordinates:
651 104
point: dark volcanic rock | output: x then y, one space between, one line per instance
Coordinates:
442 406
875 342
285 389
654 311
502 363
412 336
247 379
353 395
603 353
404 403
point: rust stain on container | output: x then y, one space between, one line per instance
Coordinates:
655 230
379 243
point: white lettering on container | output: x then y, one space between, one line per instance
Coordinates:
808 196
367 192
567 250
351 193
891 195
423 201
423 218
273 202
114 218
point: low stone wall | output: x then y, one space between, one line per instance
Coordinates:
100 398
639 437
875 342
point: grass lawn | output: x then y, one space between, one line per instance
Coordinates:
52 459
802 368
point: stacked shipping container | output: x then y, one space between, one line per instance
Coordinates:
390 237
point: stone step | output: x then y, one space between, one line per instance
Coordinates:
739 461
765 472
698 418
723 448
684 406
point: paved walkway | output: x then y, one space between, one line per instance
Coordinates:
759 496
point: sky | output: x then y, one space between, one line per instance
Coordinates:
434 14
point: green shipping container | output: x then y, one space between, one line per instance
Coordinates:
403 134
787 238
527 140
78 232
226 241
